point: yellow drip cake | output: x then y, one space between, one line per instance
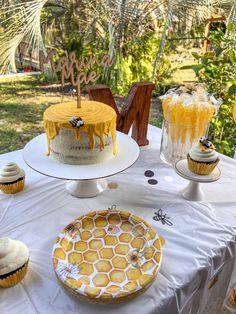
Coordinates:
85 135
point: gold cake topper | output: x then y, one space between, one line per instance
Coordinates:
74 69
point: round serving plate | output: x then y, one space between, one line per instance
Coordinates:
107 256
181 167
83 180
193 191
34 154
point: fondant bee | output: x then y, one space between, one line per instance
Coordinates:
76 122
204 141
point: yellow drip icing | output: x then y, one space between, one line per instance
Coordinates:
99 119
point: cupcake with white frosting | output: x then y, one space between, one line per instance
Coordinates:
202 157
14 259
12 178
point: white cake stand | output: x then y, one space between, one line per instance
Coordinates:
84 180
193 191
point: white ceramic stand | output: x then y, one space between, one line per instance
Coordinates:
86 188
83 180
193 191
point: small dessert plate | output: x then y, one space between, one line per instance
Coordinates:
107 256
193 192
181 168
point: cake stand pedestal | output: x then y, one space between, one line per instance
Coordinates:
193 191
86 188
83 180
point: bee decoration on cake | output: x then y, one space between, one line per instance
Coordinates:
76 122
205 143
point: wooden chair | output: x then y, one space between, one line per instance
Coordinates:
135 110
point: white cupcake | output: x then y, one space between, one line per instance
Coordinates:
14 259
202 157
12 178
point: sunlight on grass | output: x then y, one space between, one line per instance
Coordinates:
22 103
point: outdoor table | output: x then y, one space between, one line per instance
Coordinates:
200 246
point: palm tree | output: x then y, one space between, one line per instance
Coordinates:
122 20
18 22
193 11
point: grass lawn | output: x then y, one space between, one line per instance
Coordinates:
22 103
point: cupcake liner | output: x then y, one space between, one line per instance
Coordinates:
12 188
201 167
15 277
232 298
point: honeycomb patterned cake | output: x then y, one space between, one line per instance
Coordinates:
107 256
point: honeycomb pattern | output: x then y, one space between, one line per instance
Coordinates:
107 254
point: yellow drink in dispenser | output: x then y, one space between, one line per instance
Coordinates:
187 114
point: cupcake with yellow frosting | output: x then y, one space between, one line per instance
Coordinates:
12 178
202 157
14 258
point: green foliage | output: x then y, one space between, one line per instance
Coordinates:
136 64
223 129
48 77
163 79
85 47
75 43
217 69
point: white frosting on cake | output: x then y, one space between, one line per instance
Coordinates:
13 255
197 153
10 172
66 149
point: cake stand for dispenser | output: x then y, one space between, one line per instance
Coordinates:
193 191
83 180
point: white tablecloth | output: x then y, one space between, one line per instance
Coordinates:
200 246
